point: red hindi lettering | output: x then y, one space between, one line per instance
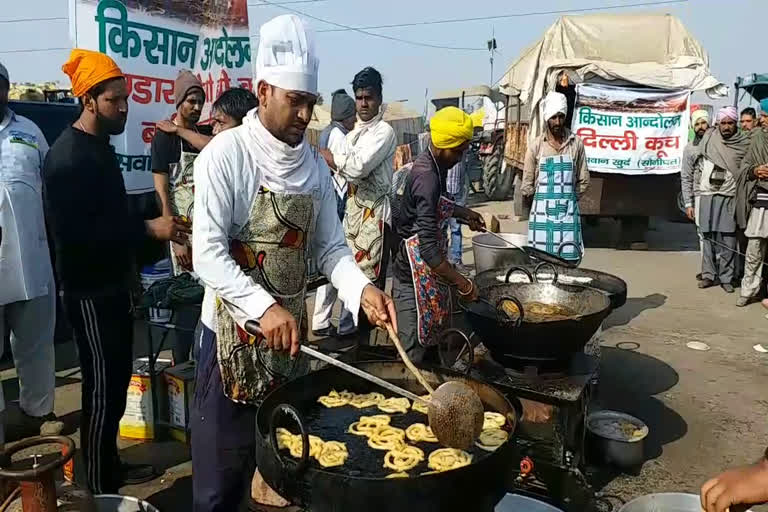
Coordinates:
626 142
208 86
672 142
654 143
223 84
630 140
166 88
148 131
140 89
246 83
588 137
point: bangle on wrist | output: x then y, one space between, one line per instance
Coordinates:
469 291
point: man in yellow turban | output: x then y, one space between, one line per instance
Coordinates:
96 236
420 212
450 126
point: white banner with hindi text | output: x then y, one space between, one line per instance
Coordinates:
152 42
631 131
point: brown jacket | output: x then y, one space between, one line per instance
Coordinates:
543 147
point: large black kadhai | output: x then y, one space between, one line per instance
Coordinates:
536 340
360 484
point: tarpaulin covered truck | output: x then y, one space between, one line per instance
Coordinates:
628 79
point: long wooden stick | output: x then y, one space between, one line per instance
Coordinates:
407 360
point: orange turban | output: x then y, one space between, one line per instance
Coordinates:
86 69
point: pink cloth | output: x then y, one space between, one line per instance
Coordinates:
727 113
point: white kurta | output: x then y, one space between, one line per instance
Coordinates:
367 154
228 175
25 261
332 138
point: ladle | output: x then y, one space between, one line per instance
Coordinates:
455 411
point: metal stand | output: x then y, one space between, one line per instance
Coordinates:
153 355
38 489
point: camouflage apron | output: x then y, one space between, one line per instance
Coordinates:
182 192
272 249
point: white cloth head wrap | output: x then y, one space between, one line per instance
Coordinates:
554 103
286 57
699 114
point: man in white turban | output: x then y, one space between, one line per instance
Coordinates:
555 175
264 203
689 180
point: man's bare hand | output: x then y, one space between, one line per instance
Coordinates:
183 254
378 307
167 126
475 220
172 229
761 172
328 156
690 212
747 485
280 329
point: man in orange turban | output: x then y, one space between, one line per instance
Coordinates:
87 68
96 236
93 75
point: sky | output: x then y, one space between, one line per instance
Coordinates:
411 72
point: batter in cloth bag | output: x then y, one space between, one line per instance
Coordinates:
420 211
556 175
264 202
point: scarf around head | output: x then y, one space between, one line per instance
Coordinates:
726 154
284 169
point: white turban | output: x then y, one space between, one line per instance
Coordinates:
554 103
286 57
699 114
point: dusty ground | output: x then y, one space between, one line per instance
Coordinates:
706 410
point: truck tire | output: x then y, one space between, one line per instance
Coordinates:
496 184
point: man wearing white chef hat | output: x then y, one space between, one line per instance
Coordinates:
264 202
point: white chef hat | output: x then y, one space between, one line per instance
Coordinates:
286 56
554 103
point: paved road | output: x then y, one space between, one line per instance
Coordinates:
705 410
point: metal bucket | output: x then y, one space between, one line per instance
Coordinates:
666 501
490 252
117 503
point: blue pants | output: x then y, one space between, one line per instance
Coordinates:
454 228
223 438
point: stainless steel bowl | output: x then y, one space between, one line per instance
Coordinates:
490 252
516 503
612 447
666 501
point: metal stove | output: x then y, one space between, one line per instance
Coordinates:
551 433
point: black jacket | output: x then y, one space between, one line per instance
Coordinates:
93 232
418 215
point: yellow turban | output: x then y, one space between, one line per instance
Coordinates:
477 118
86 69
451 127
